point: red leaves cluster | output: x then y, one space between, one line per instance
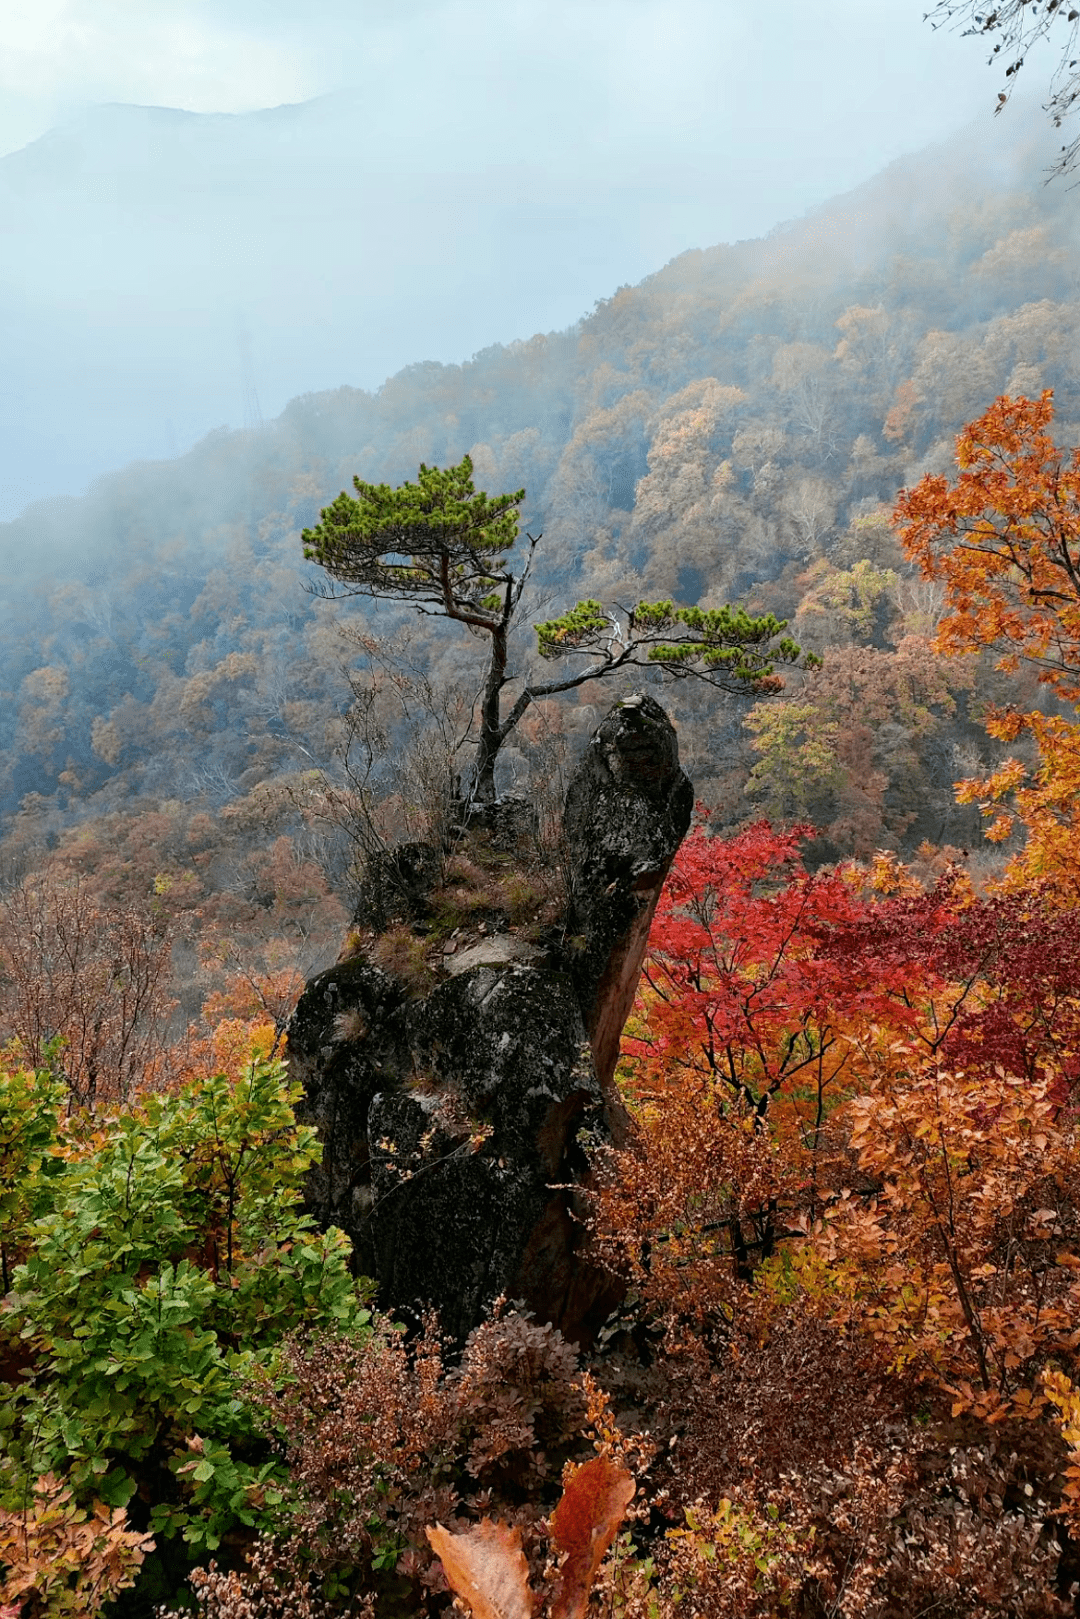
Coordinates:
854 1099
771 980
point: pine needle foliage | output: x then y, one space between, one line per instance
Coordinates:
442 546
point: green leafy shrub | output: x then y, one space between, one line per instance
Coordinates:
30 1107
166 1257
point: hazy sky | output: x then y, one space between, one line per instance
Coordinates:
491 168
822 92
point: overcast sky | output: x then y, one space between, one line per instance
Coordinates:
820 93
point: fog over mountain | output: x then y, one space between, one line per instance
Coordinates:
176 271
167 272
733 428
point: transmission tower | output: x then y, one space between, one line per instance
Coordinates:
252 408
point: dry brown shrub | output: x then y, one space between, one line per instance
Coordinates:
401 953
798 1478
383 1439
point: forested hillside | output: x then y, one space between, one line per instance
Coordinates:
729 430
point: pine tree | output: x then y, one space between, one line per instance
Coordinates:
443 546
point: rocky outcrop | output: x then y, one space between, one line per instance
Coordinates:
463 1165
453 1116
627 810
347 1044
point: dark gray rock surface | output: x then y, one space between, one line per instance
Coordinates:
347 1042
628 808
453 1123
397 882
463 1164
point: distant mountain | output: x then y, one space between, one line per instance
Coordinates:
164 272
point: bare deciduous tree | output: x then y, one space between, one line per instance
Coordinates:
92 976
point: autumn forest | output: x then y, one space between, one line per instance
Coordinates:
844 1378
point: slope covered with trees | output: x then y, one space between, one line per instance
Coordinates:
727 431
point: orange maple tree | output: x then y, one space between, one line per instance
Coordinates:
1003 539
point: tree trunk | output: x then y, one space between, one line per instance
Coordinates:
491 733
483 787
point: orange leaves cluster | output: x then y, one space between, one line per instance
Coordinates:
232 1046
486 1565
1004 539
62 1560
961 1261
270 995
1043 801
1066 1397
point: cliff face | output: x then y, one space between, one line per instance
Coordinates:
452 1072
